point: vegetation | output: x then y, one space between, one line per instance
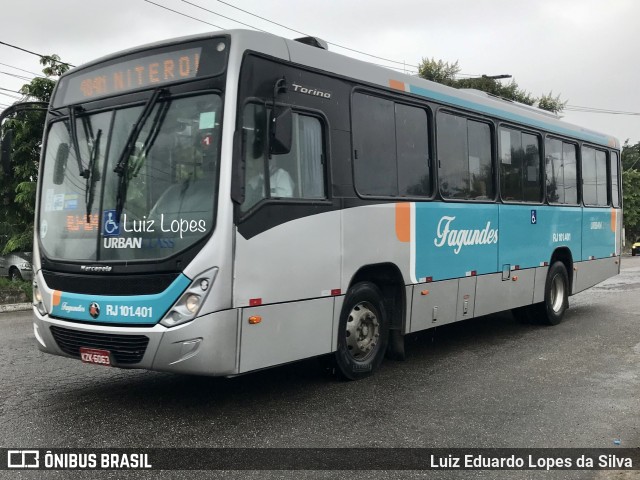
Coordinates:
18 190
630 190
9 289
446 73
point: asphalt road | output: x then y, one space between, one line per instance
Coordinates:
487 382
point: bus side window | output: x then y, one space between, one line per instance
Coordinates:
520 172
299 174
390 148
464 158
412 145
570 162
615 190
374 145
594 177
561 172
304 164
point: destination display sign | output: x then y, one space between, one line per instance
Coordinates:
138 71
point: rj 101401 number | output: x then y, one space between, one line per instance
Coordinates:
129 311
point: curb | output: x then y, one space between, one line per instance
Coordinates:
15 307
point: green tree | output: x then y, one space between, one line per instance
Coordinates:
439 71
446 73
18 190
630 156
550 103
631 198
631 190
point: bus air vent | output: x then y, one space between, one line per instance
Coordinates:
92 284
314 42
125 349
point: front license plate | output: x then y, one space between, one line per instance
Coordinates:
93 355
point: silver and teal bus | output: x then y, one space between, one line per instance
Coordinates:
223 203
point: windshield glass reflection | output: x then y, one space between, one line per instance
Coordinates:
166 179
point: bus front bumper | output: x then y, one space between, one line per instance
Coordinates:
208 345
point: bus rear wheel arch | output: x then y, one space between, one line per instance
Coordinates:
556 294
556 298
363 332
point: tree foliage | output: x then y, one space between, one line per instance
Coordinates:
631 196
18 190
630 156
446 73
631 190
550 103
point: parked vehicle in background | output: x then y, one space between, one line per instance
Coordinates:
16 266
635 248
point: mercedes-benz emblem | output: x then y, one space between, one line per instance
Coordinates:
94 310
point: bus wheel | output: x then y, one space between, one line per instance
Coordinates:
556 299
363 332
556 295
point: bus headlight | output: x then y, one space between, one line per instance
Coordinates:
37 300
191 301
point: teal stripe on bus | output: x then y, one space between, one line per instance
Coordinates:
119 309
452 240
592 137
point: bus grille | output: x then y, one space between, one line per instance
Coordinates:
148 284
125 349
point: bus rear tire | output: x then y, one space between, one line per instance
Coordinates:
363 332
556 299
556 296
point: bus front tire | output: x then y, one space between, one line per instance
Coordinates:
363 332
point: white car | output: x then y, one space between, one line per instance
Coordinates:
16 266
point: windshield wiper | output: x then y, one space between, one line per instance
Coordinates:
91 174
123 161
94 175
73 133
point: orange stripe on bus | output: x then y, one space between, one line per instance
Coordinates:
57 295
403 221
396 85
614 224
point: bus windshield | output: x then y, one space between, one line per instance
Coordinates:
136 183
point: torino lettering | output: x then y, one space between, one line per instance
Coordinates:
310 91
459 238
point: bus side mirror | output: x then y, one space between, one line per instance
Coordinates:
5 151
60 165
281 132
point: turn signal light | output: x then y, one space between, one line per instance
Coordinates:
37 299
255 319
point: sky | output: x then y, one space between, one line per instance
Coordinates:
584 50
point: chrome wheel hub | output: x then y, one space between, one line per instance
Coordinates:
557 293
363 330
